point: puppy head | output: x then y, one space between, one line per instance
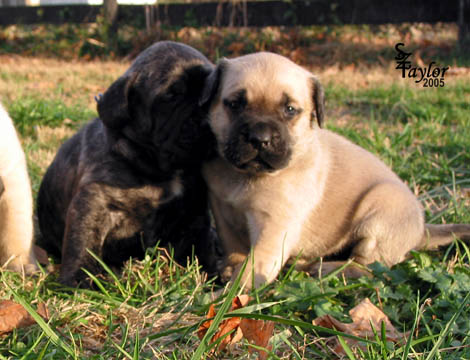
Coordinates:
154 107
263 106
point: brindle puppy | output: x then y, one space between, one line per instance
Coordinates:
131 177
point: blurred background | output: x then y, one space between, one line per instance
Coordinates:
313 32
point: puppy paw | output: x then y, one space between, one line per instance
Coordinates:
19 265
31 269
227 273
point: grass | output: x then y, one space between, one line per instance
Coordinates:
152 308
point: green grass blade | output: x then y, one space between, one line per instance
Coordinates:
136 346
44 349
44 326
204 345
97 283
446 329
407 347
257 307
110 273
36 343
346 348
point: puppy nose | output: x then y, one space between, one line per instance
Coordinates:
260 135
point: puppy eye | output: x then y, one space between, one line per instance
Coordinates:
169 97
234 105
290 111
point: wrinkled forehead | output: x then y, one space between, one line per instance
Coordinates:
266 75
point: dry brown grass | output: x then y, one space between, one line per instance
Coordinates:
71 81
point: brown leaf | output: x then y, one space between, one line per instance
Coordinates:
258 332
364 316
206 324
225 326
330 322
14 316
240 301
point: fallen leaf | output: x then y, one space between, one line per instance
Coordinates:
258 332
366 314
365 317
206 324
14 316
225 326
327 321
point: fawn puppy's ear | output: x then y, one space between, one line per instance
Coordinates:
211 86
318 97
2 187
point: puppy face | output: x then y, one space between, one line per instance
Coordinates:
154 107
263 106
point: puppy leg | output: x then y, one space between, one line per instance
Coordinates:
391 225
16 224
235 252
234 237
100 213
2 187
272 246
88 222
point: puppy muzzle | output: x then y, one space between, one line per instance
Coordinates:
257 147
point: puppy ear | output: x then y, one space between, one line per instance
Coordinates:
318 97
113 105
211 85
2 187
193 81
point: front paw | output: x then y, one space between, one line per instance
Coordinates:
79 280
74 278
67 280
226 273
23 264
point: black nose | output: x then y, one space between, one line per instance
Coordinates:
260 135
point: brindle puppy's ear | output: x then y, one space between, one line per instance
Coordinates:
191 82
113 105
2 187
198 74
211 85
318 97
